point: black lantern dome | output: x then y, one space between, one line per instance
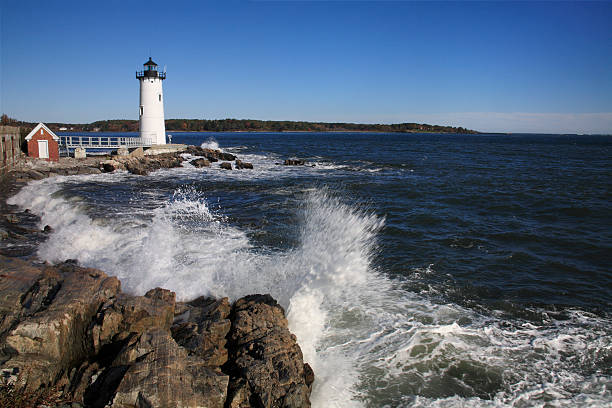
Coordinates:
150 71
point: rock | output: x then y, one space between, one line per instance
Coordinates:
36 175
294 162
243 165
211 155
133 314
4 234
226 156
145 164
200 163
88 170
138 152
71 330
266 355
226 165
111 165
201 328
137 167
161 374
60 305
48 229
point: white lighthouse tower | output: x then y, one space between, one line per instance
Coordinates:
151 116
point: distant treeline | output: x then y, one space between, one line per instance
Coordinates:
244 125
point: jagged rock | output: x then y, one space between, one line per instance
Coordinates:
294 162
243 165
51 341
200 163
226 165
239 394
137 167
109 166
266 355
71 328
201 327
133 314
161 374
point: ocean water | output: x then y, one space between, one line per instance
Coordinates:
416 270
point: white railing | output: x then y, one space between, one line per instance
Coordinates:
103 142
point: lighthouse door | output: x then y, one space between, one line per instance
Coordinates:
43 149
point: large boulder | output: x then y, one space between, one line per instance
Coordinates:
49 332
226 165
266 364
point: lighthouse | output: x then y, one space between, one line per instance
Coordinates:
151 112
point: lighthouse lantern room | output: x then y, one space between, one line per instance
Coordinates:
151 112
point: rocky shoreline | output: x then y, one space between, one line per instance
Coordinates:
69 337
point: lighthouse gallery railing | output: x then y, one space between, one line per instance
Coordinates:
104 142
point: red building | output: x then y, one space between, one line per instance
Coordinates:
43 143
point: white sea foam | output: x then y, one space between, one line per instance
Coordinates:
370 342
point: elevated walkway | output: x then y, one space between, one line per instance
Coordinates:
103 142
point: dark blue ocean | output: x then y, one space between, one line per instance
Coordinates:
416 269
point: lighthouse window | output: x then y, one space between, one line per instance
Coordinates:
141 110
160 97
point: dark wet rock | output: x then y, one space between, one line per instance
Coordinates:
294 162
265 355
48 229
226 156
226 165
243 165
200 163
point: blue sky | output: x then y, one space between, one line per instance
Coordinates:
490 66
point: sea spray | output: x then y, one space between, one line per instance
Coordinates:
211 143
